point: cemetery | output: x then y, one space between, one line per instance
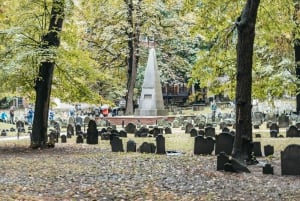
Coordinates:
149 100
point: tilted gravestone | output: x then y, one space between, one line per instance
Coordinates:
130 128
268 150
222 159
210 131
224 143
92 133
160 145
203 145
131 146
290 160
292 131
116 144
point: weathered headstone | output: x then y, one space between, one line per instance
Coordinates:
160 145
130 128
70 130
268 150
257 149
79 139
292 131
290 160
131 146
210 131
268 169
188 127
222 159
283 121
224 143
194 132
116 144
203 145
168 130
147 148
274 130
63 138
92 133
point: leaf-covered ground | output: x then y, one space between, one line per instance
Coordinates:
92 172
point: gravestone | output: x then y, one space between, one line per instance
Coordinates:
147 148
151 99
268 169
116 144
92 133
131 146
142 132
71 121
70 130
193 132
63 138
257 135
292 131
210 131
20 125
188 127
297 125
86 121
224 143
201 132
283 121
79 139
225 130
274 130
160 145
78 129
290 160
222 159
122 133
168 130
268 150
203 145
175 124
130 128
257 149
222 125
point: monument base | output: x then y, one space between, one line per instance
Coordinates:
153 112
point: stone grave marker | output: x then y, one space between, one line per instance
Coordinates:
274 130
225 130
175 124
298 125
290 160
131 146
71 121
70 130
122 133
194 132
268 150
268 169
168 130
160 145
63 138
116 144
147 148
203 145
130 128
292 131
210 131
222 159
92 133
283 121
79 139
142 132
224 143
257 149
188 127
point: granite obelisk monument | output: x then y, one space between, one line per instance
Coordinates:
151 100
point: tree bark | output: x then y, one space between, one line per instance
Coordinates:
246 34
132 58
44 81
297 53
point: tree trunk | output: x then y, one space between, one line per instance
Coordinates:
132 58
297 54
44 81
246 34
